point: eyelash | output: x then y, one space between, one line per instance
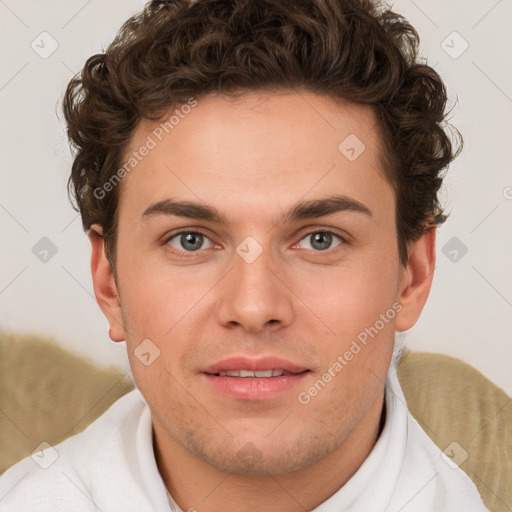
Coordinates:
185 254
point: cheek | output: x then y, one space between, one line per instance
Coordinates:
351 298
156 298
162 305
358 304
359 307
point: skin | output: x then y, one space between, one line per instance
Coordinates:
252 158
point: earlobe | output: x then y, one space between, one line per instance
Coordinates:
105 288
416 280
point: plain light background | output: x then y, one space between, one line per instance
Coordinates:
469 311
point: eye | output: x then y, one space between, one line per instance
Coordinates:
321 240
188 241
194 241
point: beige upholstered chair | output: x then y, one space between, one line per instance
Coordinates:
48 394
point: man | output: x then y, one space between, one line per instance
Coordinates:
259 184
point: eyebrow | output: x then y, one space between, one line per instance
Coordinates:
303 210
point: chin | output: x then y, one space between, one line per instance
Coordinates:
277 458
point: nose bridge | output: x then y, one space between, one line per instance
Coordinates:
253 294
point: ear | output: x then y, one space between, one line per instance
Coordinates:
416 280
105 288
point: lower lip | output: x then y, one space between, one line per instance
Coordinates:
253 388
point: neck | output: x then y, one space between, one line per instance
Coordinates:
195 485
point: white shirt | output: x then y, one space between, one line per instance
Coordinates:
111 467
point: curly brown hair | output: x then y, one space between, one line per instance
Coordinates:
173 50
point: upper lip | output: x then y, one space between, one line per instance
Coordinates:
254 364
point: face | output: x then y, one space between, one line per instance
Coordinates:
271 327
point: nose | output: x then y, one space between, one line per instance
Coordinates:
254 295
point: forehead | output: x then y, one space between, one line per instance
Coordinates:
257 149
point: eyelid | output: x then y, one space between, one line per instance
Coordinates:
339 233
180 231
332 251
167 238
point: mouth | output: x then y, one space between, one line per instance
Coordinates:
254 379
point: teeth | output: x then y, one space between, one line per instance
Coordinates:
249 373
263 373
